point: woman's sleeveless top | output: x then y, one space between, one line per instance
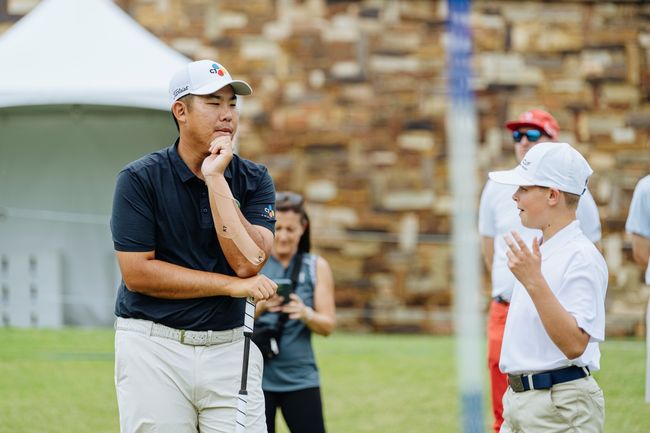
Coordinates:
295 367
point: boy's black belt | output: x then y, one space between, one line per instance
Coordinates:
546 379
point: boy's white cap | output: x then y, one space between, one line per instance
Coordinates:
203 77
554 165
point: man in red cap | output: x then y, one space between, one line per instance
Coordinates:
498 216
530 128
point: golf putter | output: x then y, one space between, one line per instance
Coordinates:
249 321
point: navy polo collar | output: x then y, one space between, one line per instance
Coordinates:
183 170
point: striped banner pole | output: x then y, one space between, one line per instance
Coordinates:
461 139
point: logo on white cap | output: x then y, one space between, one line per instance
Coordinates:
553 165
204 77
216 69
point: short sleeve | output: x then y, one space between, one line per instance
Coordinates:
638 219
589 218
259 208
583 294
486 221
132 217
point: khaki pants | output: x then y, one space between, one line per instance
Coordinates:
164 386
577 406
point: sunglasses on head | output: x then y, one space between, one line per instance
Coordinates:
288 199
531 135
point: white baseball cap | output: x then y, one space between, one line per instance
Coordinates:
553 165
203 77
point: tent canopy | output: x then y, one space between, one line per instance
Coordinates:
84 52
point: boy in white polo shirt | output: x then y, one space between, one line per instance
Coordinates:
498 216
557 310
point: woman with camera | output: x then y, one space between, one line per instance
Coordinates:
304 304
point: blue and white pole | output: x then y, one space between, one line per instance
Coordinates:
249 322
461 138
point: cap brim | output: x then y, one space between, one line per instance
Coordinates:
240 88
515 124
510 177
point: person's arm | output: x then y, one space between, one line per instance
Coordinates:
143 273
638 222
640 250
133 225
245 246
487 225
487 250
559 324
322 318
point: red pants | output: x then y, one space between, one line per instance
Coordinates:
499 381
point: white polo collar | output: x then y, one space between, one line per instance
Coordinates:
560 239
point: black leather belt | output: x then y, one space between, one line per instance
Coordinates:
500 300
546 379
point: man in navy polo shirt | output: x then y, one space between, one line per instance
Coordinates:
192 226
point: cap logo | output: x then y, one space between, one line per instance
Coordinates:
216 69
525 164
180 90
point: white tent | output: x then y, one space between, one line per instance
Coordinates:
84 52
83 91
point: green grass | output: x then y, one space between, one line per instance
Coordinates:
62 381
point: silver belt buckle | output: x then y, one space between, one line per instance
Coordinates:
189 338
516 383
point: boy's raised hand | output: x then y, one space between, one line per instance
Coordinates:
526 265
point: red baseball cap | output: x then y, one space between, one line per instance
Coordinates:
537 119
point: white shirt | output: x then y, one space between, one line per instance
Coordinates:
576 272
638 219
498 216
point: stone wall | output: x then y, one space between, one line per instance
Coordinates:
349 109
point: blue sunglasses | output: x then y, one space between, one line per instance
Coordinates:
531 135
